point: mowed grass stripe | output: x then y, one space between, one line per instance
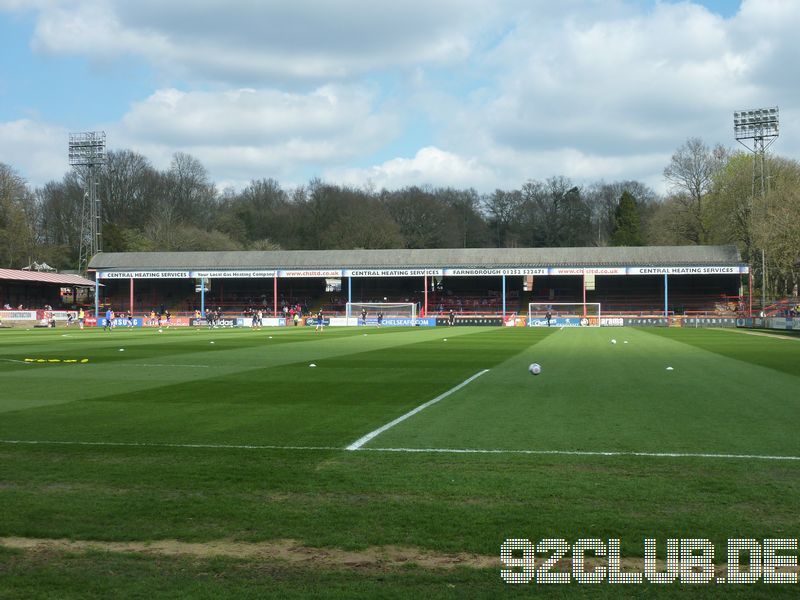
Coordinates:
172 342
597 396
283 404
109 371
103 347
765 350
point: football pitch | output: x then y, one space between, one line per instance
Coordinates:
219 463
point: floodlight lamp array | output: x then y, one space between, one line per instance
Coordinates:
87 148
757 123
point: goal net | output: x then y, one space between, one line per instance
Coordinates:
394 313
564 314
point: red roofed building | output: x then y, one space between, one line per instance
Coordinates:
34 289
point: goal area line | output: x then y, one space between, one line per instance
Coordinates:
463 451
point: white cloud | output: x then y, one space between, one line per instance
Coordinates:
612 95
255 116
247 133
615 83
462 93
26 5
581 167
38 151
91 28
244 41
429 166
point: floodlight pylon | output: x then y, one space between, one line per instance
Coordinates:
87 153
757 129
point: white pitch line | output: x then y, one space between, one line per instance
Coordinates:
363 440
167 445
611 453
585 453
129 364
160 365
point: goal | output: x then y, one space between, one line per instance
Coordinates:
564 314
394 313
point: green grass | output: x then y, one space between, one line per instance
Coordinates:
598 396
164 454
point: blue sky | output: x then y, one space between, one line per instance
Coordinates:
473 93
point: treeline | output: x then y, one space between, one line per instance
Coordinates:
710 200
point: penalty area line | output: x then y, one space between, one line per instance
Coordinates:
372 434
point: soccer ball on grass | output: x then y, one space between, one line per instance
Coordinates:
534 368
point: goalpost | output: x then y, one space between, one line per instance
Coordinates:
397 313
564 314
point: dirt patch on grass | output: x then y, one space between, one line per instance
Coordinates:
286 551
776 336
292 553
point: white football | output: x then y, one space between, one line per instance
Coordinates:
535 368
613 341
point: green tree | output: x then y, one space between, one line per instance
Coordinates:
627 231
260 211
730 205
603 199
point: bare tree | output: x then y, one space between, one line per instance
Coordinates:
423 219
17 218
465 218
503 209
690 176
554 213
189 191
129 186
